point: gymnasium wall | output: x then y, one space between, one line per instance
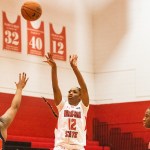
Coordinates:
78 41
113 48
112 43
127 116
35 118
122 49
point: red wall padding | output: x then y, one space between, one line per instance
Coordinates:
128 116
36 119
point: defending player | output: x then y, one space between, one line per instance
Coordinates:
7 118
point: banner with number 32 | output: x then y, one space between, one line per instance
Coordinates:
11 34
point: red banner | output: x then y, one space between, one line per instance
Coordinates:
58 44
35 39
11 34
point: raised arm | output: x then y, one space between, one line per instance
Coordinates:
84 91
10 114
56 89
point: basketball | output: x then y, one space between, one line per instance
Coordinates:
31 11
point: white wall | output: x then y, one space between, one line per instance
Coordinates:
79 41
112 45
122 51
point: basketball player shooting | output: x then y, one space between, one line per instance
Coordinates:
70 133
7 118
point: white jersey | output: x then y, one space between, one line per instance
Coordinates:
71 125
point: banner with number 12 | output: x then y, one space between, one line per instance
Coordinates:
58 44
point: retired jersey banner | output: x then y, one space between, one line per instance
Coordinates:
58 44
11 34
35 39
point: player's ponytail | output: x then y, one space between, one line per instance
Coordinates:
54 113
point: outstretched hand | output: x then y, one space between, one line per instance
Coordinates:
22 81
50 60
73 60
